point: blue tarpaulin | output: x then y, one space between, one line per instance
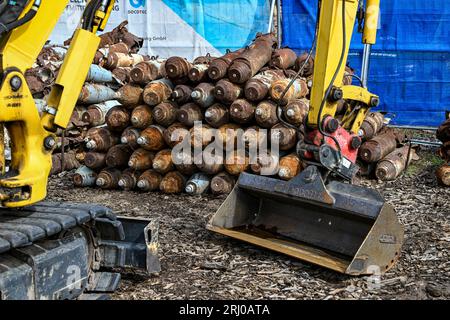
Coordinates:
410 64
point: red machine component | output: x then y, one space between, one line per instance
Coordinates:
349 143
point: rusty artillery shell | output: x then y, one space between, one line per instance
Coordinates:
149 180
211 164
189 113
371 125
141 116
84 177
80 155
236 163
217 115
147 71
242 111
252 59
152 138
162 162
130 95
100 139
198 184
257 88
198 73
177 68
141 159
378 147
78 111
128 179
157 91
222 183
119 47
290 166
95 114
227 92
175 134
173 182
70 162
130 136
165 113
181 94
108 178
283 58
203 94
201 136
308 68
443 131
298 90
253 135
122 74
265 164
117 118
287 137
266 114
218 67
184 163
117 59
95 160
92 93
443 175
206 59
227 134
118 155
296 111
102 54
391 166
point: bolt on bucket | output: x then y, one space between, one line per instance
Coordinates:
343 227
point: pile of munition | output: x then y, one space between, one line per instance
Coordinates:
443 172
99 91
235 100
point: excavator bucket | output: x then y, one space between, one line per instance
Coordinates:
343 227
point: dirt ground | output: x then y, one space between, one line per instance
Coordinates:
197 264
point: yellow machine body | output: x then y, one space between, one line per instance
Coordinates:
340 226
31 136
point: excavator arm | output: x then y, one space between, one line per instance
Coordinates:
25 27
314 216
328 143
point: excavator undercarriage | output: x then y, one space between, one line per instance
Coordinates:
55 250
67 251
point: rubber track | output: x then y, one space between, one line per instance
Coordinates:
21 227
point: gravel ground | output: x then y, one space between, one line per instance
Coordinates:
197 264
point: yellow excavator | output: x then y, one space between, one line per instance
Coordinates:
318 216
54 250
63 251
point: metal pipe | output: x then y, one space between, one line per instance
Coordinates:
272 9
426 143
365 64
279 22
412 127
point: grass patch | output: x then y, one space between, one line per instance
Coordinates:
427 159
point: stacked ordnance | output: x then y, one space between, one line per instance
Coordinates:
135 131
443 134
117 51
384 152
